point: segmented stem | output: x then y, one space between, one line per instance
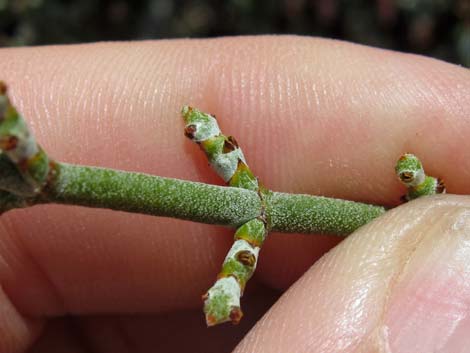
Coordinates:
222 300
167 197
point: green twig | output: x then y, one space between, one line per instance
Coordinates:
222 300
198 202
153 195
297 213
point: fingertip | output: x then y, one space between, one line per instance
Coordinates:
386 286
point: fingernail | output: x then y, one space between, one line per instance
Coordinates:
429 306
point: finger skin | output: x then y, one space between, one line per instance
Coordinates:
314 116
399 284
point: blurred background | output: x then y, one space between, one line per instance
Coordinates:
438 28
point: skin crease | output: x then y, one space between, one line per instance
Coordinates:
312 116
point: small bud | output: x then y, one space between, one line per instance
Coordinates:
411 173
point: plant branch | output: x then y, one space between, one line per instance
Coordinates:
198 202
149 194
300 213
222 300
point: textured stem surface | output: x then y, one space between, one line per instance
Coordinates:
158 196
297 213
199 202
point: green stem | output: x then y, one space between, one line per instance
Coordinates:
167 197
153 195
297 213
28 177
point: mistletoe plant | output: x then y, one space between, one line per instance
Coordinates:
28 176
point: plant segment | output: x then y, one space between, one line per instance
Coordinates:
24 167
222 300
410 171
28 176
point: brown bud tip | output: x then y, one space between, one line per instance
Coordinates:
406 177
189 131
8 143
236 315
441 186
246 258
230 144
3 88
210 321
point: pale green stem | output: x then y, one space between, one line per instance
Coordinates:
153 195
167 197
297 213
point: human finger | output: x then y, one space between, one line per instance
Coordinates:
399 284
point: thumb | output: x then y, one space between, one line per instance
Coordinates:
399 284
